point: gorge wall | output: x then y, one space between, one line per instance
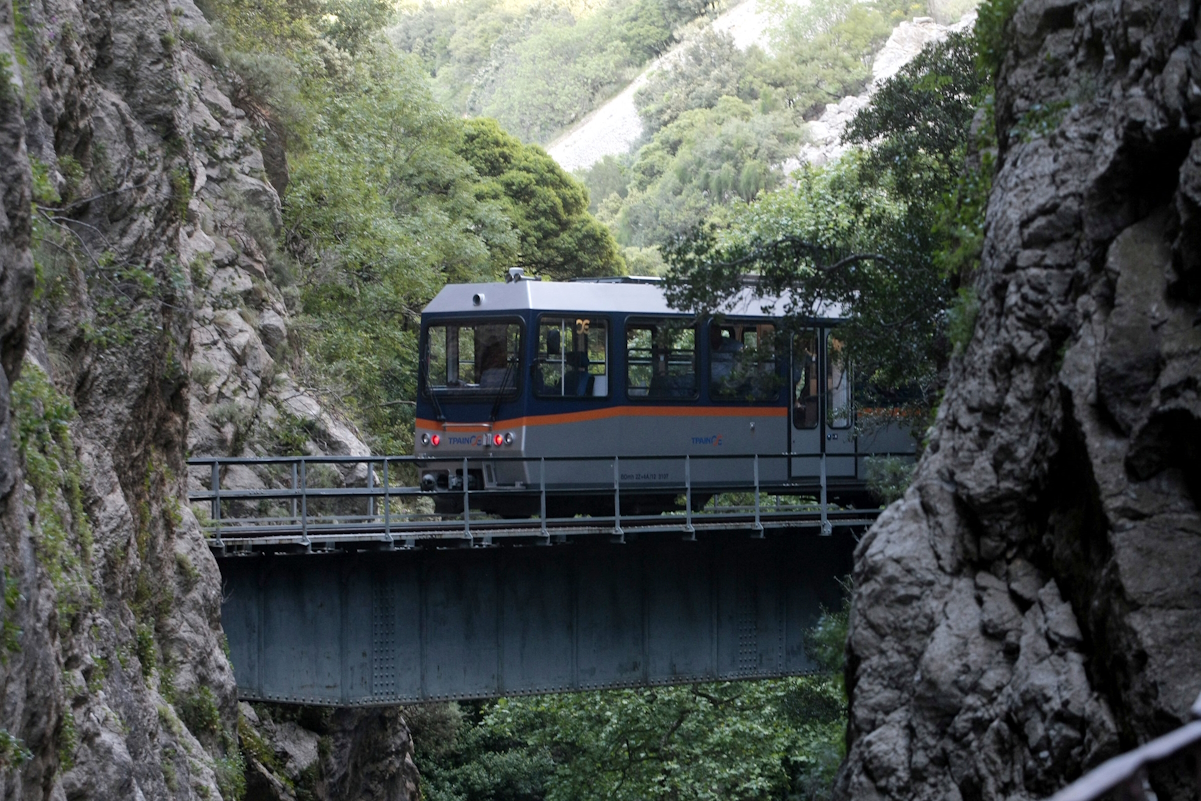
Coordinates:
151 327
1030 607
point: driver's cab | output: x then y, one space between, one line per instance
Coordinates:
473 357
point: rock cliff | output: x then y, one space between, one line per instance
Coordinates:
156 324
1030 606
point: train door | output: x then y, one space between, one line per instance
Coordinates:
838 418
805 427
822 417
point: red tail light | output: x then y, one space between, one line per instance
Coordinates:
498 440
435 439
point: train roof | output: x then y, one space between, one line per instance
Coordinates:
623 296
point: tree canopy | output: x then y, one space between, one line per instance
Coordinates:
728 741
538 66
884 234
557 237
720 123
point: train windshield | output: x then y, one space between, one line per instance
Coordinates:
473 357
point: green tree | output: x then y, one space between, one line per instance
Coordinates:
920 118
706 158
709 68
390 196
557 237
538 66
883 234
735 741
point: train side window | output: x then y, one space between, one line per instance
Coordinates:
661 361
573 358
472 357
804 372
742 362
838 385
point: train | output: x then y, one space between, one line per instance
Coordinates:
579 395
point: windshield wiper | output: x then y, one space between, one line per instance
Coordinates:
425 368
504 384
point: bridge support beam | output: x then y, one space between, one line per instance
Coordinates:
419 625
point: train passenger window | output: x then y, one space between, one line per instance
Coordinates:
473 356
742 362
804 373
660 360
573 358
838 385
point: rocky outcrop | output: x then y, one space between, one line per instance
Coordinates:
141 191
1030 606
329 754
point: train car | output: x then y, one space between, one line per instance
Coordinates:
579 390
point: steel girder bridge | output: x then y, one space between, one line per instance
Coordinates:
341 587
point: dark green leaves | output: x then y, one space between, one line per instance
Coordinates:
557 238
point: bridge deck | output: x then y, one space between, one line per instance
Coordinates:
350 595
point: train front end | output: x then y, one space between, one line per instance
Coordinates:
470 393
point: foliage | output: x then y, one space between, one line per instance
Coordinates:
67 737
992 20
62 530
807 244
721 121
390 196
962 317
13 753
548 208
538 66
710 68
885 236
703 159
230 772
199 712
888 477
923 115
731 740
10 632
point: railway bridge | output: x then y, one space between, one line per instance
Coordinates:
342 587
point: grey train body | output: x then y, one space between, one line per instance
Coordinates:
585 394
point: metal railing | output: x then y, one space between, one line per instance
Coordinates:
332 501
1126 776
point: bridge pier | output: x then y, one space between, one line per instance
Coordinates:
380 628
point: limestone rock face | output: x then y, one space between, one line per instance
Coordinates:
361 754
143 192
1031 606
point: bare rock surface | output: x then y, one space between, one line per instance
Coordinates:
361 754
1030 607
159 328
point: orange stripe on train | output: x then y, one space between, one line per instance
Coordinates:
613 411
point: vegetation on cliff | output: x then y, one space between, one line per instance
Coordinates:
537 67
388 196
720 122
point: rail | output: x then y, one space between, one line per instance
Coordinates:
331 502
1127 774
